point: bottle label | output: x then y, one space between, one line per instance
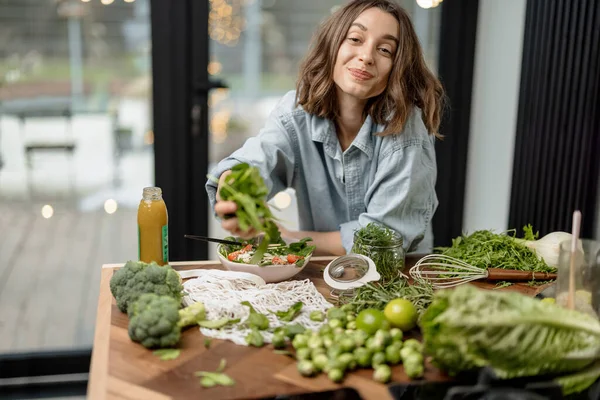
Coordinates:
165 243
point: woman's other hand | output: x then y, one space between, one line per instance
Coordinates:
226 211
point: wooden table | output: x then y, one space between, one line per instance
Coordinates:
122 369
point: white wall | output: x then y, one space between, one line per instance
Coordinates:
495 99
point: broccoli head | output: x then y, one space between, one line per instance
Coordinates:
156 321
136 278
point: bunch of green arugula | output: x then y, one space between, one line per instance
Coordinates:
248 190
485 249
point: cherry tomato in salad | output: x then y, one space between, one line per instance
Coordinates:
278 261
234 254
292 258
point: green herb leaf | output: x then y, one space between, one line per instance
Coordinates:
207 342
218 323
255 338
289 314
207 382
222 365
167 354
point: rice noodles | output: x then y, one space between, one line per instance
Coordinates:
222 293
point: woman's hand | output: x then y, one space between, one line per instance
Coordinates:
226 211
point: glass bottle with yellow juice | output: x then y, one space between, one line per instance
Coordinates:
153 227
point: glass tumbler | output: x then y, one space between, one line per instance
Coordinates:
586 265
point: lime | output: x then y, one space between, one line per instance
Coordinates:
401 313
369 320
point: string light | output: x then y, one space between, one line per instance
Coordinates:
428 3
225 21
47 211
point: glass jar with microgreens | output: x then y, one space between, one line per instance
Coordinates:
382 245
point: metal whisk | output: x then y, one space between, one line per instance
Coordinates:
446 272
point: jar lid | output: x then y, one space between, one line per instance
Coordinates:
350 271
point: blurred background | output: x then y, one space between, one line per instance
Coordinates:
101 98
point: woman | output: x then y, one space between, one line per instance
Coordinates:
356 138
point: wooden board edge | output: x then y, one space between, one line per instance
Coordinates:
98 378
127 390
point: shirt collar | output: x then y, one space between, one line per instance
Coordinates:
326 134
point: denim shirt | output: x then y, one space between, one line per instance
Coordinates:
390 180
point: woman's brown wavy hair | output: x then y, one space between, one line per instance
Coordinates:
410 83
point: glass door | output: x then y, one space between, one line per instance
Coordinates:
76 149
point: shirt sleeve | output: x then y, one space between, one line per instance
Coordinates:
402 195
271 151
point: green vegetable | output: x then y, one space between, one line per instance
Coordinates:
167 354
314 342
136 278
210 379
335 323
579 381
156 321
382 373
406 352
378 359
414 344
303 353
392 353
289 314
306 368
320 361
396 335
316 316
300 341
414 371
192 315
335 375
383 336
336 313
515 335
384 246
484 248
315 352
207 343
248 190
378 294
278 340
255 338
334 351
218 323
363 357
255 319
347 344
291 330
347 360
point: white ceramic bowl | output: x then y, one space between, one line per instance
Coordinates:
270 273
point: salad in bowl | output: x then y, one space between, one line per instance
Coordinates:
281 260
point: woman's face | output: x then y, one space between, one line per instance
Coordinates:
364 60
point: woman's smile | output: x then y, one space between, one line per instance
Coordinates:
360 74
